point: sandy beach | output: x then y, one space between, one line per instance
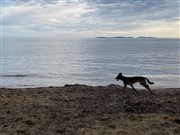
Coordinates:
89 110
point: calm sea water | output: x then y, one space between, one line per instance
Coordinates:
36 62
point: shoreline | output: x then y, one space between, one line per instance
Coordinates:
81 109
138 87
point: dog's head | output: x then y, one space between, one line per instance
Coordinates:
119 76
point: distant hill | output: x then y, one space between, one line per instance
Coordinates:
145 37
114 37
124 37
101 37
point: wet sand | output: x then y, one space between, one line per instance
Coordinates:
89 110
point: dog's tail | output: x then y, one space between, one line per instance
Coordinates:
149 81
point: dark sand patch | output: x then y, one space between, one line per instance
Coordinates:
86 110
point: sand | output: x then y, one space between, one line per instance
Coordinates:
89 110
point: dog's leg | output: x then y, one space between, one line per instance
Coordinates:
124 87
147 87
134 89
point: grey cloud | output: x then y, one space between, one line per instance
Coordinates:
138 8
131 14
108 14
41 2
116 10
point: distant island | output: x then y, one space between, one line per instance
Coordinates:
125 37
122 37
145 37
101 37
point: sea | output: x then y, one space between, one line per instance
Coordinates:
42 62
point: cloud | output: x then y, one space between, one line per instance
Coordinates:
39 2
89 16
63 17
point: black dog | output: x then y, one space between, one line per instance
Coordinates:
131 80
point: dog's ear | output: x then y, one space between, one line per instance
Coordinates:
120 73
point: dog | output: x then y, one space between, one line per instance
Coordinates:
132 80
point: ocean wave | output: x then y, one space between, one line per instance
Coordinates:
33 75
16 75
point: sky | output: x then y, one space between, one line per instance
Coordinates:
90 18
